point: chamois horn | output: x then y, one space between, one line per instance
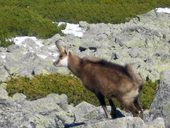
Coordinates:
58 44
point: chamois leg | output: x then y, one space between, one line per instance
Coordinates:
113 108
133 109
138 106
102 103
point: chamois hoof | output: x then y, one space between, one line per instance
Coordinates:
109 116
113 115
141 114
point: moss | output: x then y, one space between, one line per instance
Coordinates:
42 85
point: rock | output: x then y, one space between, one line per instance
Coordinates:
143 40
53 111
3 92
161 104
46 112
156 123
127 122
12 48
3 85
60 100
134 52
165 58
84 108
4 76
19 97
84 25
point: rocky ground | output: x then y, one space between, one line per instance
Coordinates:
54 111
144 41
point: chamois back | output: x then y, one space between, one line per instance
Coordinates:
110 65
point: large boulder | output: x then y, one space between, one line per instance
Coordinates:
161 104
126 122
54 111
16 111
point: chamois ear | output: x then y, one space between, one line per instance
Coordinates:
60 48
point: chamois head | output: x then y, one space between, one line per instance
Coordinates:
63 55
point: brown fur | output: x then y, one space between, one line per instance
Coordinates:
107 79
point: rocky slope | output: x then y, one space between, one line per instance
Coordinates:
54 111
144 41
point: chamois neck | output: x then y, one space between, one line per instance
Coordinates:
74 64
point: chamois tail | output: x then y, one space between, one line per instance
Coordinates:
134 75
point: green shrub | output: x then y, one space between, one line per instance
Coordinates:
42 85
148 93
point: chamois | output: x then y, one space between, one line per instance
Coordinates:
105 79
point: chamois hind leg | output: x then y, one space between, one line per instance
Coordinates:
131 107
102 103
134 110
138 106
113 108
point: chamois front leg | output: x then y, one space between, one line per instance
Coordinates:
103 104
113 109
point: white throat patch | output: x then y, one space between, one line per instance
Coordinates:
64 62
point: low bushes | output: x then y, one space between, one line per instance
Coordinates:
42 85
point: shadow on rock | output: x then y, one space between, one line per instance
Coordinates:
118 114
74 124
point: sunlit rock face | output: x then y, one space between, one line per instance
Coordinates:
161 104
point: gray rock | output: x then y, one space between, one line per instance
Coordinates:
161 104
3 92
4 75
3 85
19 97
12 48
143 40
165 58
127 122
135 52
44 113
156 123
84 108
60 100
